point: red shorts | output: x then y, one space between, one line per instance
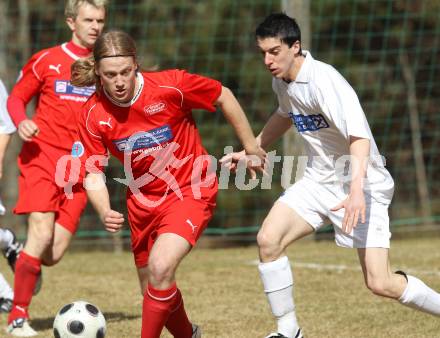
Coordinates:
38 190
187 218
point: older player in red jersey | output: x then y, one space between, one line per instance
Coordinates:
144 119
53 218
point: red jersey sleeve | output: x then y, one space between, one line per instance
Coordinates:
95 152
199 92
31 78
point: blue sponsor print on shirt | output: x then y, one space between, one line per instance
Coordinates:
305 123
145 139
77 149
64 87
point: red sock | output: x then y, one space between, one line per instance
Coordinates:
156 310
27 269
178 323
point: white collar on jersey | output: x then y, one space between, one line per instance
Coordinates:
140 80
69 52
304 72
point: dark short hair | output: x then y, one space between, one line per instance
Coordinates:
279 25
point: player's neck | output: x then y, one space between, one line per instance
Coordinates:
77 49
294 70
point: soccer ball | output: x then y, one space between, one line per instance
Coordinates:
79 320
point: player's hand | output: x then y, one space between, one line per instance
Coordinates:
230 160
27 129
254 162
355 207
112 220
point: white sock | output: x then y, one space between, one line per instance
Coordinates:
5 289
6 238
418 295
277 281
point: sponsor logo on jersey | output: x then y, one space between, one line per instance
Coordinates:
64 87
155 108
145 139
77 149
305 123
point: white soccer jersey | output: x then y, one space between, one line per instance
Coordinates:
326 111
6 125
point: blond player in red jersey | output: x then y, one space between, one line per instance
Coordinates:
144 119
53 218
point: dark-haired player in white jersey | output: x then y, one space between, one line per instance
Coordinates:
325 110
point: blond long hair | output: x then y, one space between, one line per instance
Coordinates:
110 44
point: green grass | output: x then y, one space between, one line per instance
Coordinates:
223 294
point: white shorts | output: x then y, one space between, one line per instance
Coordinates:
313 201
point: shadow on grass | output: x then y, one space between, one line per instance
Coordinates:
41 324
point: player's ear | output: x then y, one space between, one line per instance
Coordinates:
71 23
296 47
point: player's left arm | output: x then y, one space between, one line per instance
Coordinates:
236 117
354 205
339 101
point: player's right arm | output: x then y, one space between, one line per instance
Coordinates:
274 128
94 158
28 85
100 199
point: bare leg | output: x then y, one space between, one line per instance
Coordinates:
408 290
281 227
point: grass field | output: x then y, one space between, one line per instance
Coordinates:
223 292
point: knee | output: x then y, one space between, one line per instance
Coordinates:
40 234
379 286
269 245
160 271
50 260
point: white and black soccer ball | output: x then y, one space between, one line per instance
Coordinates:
79 319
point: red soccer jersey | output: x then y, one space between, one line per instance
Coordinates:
47 74
155 134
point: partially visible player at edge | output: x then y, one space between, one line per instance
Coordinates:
53 219
326 112
8 242
145 120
